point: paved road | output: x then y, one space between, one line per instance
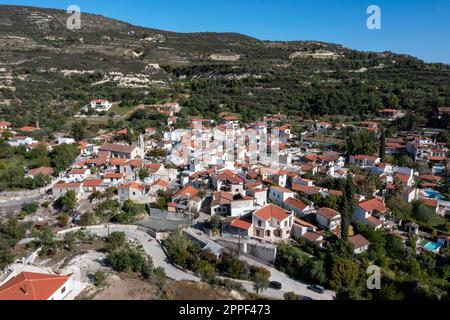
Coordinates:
289 284
153 249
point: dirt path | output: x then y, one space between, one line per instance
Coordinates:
124 287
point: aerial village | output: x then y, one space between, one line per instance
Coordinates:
244 187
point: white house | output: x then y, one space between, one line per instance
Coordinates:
61 188
279 195
328 219
65 140
135 192
272 223
100 105
298 207
37 286
367 211
21 141
364 160
301 227
359 244
260 196
4 125
79 175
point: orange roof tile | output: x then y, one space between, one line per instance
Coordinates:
241 224
293 202
328 213
188 191
32 286
272 211
92 183
373 204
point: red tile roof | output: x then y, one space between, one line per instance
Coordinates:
32 286
241 224
376 222
112 175
305 189
358 241
328 213
118 161
133 185
336 193
282 189
222 198
429 177
92 183
272 211
296 203
188 191
5 124
312 236
28 129
161 183
364 157
429 202
41 170
72 185
304 223
153 167
373 205
77 171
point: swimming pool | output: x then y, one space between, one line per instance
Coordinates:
432 246
433 194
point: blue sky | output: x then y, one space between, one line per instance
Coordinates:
420 28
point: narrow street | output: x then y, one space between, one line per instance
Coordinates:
154 249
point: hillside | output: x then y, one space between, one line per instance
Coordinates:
48 72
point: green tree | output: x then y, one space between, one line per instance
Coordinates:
115 241
69 201
291 296
143 173
344 273
364 142
78 130
215 222
348 207
30 208
260 279
159 277
63 220
63 156
179 248
100 278
383 145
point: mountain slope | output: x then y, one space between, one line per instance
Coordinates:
48 72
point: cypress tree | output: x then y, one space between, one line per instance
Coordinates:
383 145
348 208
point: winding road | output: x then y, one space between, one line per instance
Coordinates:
153 248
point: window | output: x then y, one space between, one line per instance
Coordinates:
63 290
259 223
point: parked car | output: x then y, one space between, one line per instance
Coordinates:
317 288
275 285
